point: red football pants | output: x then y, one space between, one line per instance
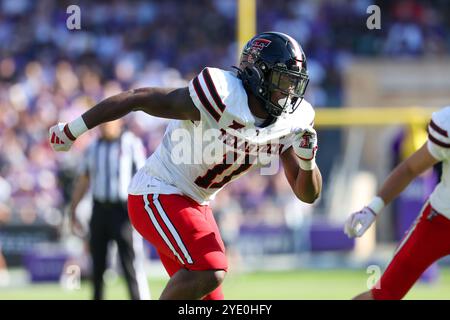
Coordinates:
427 241
184 233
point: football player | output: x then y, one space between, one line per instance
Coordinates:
428 239
259 107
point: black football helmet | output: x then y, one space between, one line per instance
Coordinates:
273 61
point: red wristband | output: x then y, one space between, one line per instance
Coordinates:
68 133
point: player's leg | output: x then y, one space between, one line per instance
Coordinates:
426 242
98 246
217 294
208 269
367 295
178 228
174 268
193 285
131 253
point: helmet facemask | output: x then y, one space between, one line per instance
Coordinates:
285 90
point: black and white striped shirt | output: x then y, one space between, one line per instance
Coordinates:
110 165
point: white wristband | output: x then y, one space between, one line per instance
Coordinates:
77 127
307 165
377 204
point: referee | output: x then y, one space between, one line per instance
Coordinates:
107 168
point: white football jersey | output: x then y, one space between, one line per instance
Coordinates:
198 159
439 147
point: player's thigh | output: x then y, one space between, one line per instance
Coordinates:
170 264
143 220
212 222
178 227
194 232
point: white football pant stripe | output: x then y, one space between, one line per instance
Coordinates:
159 229
171 228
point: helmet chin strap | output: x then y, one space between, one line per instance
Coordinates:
285 101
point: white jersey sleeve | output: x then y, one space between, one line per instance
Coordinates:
209 91
439 146
222 101
439 134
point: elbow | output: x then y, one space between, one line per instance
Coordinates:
308 198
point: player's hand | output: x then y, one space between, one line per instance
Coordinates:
305 147
358 222
58 137
76 228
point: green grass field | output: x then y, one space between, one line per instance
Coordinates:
293 285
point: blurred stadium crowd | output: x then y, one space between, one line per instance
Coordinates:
49 73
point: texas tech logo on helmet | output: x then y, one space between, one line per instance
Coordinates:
259 44
256 46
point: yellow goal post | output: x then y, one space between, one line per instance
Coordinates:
413 118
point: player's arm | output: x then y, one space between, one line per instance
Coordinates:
300 167
406 172
159 102
395 183
306 184
81 186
